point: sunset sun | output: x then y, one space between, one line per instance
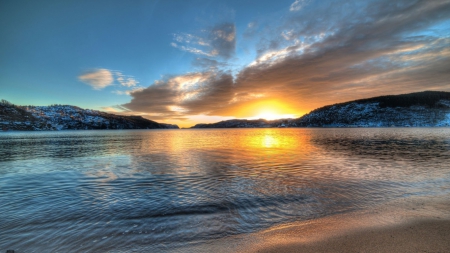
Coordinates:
272 114
268 115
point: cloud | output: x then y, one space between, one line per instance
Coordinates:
126 81
189 38
217 41
191 94
206 63
191 49
98 78
101 78
297 5
223 39
128 92
110 109
336 52
356 57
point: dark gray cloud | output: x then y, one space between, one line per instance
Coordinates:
190 94
223 39
206 63
213 96
321 54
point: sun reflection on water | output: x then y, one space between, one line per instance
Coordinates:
268 141
272 138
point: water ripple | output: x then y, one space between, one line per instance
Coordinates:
93 191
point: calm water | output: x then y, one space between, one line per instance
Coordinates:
91 191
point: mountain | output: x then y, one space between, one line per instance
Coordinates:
421 109
67 117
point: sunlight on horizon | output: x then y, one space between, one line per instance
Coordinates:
267 109
270 115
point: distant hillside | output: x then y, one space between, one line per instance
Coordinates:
244 123
67 117
428 108
422 109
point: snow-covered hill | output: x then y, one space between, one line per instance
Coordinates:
423 109
66 117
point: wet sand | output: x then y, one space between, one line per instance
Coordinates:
418 224
419 236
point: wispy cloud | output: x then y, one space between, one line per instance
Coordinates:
126 81
191 49
110 109
128 92
101 78
97 78
217 41
190 39
297 5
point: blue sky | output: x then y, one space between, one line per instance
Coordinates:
189 61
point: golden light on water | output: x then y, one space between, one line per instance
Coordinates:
273 140
269 141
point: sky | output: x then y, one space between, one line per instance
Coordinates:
200 61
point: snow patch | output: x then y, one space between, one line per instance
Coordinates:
445 122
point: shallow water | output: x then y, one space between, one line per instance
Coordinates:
117 191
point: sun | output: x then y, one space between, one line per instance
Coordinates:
265 109
268 115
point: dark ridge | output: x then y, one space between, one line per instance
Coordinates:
424 98
68 117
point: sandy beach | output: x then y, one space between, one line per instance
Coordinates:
419 236
417 224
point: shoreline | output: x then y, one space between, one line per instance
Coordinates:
413 224
431 235
232 128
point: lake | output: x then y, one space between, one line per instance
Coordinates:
142 190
